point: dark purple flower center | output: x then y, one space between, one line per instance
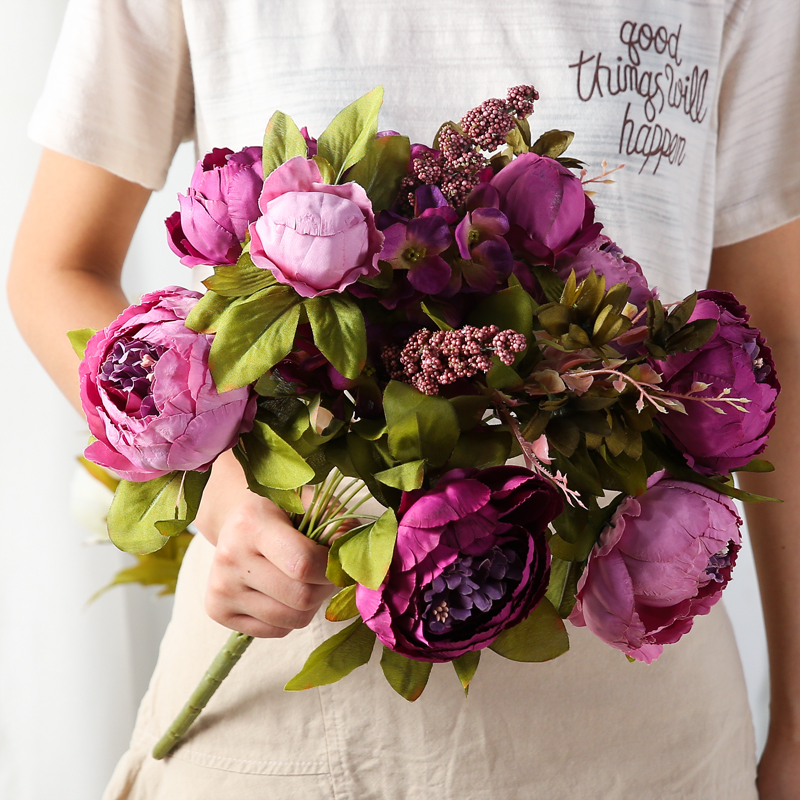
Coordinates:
469 586
719 562
127 373
761 369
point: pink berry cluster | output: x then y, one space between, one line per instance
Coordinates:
489 123
457 167
432 359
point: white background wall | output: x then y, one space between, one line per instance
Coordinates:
71 675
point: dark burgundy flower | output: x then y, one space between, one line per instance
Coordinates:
737 359
471 560
546 206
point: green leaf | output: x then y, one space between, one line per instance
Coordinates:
254 334
80 338
481 448
433 314
346 140
508 308
501 376
367 459
144 515
553 143
154 569
342 605
272 460
756 465
678 468
381 170
334 571
282 141
367 555
406 676
240 279
466 666
540 637
408 476
551 284
335 658
564 577
470 409
207 314
325 169
420 426
339 331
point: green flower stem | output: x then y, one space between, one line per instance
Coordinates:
231 652
314 523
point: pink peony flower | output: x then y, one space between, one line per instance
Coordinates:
148 394
222 200
665 558
313 236
471 560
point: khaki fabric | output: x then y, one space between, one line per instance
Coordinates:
588 726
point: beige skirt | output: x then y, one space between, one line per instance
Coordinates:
589 725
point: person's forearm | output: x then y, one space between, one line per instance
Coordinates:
774 535
67 260
61 300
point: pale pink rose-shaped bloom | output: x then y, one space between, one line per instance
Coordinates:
148 394
665 558
313 236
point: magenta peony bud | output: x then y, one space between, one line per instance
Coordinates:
148 394
546 206
220 203
313 236
736 358
666 557
471 560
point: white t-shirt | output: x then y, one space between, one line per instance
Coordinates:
699 99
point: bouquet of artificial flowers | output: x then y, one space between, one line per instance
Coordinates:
410 319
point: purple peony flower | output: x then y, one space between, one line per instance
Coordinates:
220 203
313 236
735 358
149 396
665 558
607 259
546 206
471 560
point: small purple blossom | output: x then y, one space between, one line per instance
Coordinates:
432 359
415 246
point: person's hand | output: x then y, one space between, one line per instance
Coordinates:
266 578
779 769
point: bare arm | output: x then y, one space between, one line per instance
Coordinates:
67 260
65 274
764 273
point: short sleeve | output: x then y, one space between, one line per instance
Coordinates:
119 91
758 158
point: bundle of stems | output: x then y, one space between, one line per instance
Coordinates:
328 513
